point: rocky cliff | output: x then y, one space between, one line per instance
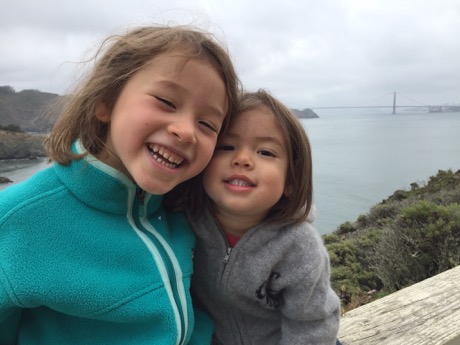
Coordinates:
15 145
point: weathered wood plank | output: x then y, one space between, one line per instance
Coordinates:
425 313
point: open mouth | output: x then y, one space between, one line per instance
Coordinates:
241 183
165 157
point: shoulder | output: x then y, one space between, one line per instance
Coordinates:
302 246
27 196
302 235
288 243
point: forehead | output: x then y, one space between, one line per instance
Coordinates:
174 62
258 123
192 76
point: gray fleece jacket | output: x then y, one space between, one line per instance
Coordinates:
273 287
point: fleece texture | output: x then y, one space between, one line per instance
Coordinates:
272 287
87 258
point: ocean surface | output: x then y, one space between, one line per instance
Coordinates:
360 157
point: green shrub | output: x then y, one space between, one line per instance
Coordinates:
381 212
345 228
406 238
361 222
11 128
423 242
331 238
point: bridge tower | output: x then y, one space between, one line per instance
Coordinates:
394 102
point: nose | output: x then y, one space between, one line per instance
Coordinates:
184 130
242 159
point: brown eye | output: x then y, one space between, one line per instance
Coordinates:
267 153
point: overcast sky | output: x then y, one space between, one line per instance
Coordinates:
309 53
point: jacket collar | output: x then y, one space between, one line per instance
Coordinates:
102 187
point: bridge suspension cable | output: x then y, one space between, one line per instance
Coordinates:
394 105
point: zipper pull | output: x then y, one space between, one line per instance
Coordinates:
229 250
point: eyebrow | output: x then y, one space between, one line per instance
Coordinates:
170 85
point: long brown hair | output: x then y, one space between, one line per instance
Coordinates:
117 59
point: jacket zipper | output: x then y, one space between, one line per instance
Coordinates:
227 255
166 260
238 336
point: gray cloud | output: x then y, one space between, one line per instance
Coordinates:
308 53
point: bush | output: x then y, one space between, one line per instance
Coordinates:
406 238
362 221
11 128
381 212
346 228
424 242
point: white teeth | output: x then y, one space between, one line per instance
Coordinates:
165 156
239 183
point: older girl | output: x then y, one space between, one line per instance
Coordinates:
87 253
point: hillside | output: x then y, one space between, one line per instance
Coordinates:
408 237
26 109
14 145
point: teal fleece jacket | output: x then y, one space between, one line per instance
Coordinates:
86 258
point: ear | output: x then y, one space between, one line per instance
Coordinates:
102 112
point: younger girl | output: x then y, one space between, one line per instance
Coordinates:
261 269
87 253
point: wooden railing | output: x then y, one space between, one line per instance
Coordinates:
424 313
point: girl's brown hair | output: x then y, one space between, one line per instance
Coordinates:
120 57
296 205
293 207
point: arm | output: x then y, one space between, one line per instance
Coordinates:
310 308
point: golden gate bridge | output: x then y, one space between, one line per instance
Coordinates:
394 106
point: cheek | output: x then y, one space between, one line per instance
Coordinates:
288 188
279 179
207 150
207 180
212 172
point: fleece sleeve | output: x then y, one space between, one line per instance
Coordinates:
310 308
203 330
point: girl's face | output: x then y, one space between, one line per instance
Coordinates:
164 125
247 174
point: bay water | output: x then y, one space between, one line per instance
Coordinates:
360 157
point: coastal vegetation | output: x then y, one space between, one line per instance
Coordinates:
410 236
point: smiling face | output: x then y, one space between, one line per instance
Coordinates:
247 173
164 125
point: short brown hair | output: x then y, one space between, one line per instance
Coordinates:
120 57
295 206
